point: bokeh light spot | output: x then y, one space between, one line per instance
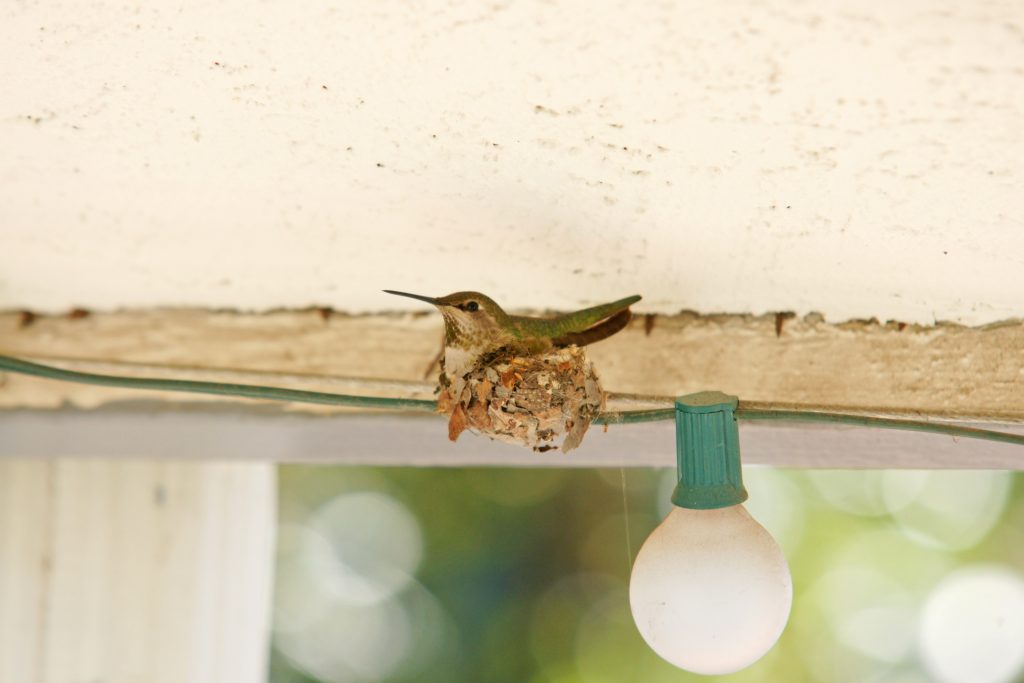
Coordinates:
951 510
972 626
868 611
347 605
777 502
351 643
858 492
376 541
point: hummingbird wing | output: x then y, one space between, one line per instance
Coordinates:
596 333
592 324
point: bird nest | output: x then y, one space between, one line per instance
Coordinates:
528 400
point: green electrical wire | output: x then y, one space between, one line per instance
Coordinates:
17 365
628 417
218 388
879 422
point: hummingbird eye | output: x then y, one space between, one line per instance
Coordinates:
472 307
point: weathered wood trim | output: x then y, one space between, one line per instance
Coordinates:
938 370
944 367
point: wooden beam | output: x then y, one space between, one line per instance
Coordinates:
937 370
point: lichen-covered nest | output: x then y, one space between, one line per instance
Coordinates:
527 400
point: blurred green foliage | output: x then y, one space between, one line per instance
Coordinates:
524 572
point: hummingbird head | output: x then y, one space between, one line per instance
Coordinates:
472 320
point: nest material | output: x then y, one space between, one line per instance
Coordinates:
527 400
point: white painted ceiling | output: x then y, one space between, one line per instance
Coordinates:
858 159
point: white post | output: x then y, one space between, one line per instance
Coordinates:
121 571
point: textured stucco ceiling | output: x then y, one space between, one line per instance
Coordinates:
859 159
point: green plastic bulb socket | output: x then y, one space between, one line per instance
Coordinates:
708 452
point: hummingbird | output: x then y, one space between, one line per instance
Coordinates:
516 378
477 328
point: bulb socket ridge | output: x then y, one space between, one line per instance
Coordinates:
708 452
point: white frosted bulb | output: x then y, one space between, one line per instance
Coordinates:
710 590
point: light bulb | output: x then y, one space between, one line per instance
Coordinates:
710 590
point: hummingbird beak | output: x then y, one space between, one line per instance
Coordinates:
428 299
